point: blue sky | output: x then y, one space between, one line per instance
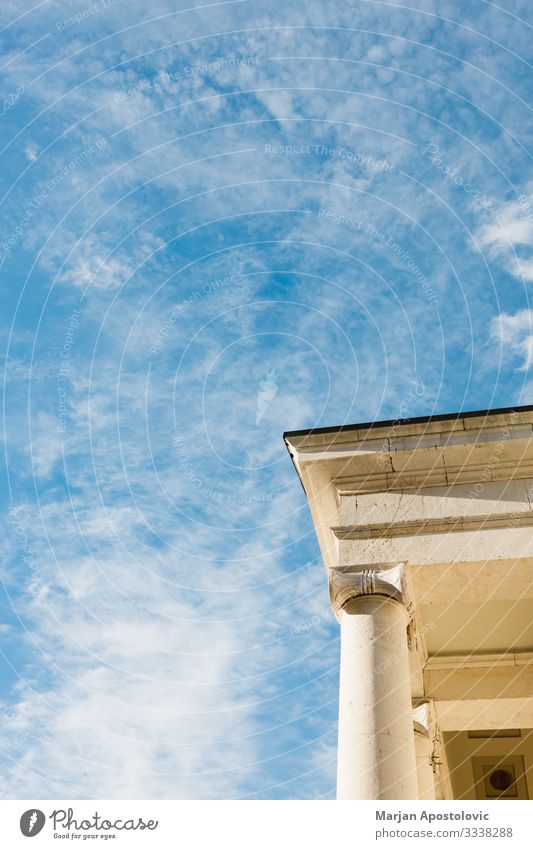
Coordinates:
219 222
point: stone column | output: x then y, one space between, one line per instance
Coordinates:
424 751
376 755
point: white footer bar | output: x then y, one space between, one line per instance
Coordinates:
265 825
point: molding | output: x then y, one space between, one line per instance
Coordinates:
347 583
446 525
479 661
388 480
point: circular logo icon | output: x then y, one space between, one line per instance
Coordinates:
32 822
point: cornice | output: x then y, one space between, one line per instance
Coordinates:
471 473
384 530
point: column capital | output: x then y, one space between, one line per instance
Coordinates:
426 762
347 583
424 719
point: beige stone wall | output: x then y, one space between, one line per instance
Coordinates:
469 756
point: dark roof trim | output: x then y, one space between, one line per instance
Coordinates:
417 420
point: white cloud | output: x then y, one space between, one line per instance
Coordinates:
511 230
31 151
515 333
103 266
45 445
510 235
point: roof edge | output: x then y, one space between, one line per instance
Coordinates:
441 417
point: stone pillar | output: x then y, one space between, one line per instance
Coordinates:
376 755
424 751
